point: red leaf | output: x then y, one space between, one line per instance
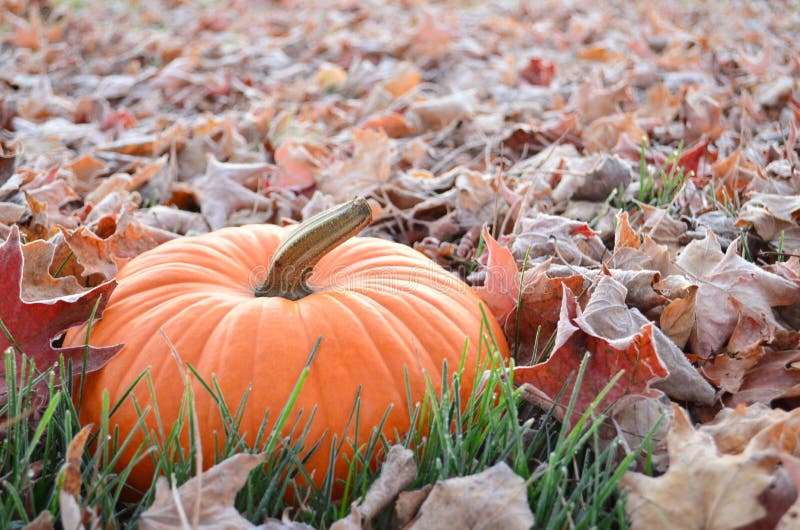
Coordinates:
529 315
33 325
538 72
636 355
584 230
501 290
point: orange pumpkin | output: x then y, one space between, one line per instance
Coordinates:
377 306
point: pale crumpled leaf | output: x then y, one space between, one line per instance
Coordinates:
209 501
438 112
594 179
775 218
368 168
723 279
662 228
398 471
703 487
37 282
542 236
494 498
607 315
221 190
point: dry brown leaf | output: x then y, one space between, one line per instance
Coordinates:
494 498
206 500
607 315
678 318
37 282
702 488
368 167
222 191
105 256
73 517
43 521
408 503
436 113
541 236
404 78
398 471
624 235
723 277
604 133
775 218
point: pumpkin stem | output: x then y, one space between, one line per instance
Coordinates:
296 256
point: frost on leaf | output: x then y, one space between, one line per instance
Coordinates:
30 327
635 356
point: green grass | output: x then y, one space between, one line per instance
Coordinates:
572 478
658 186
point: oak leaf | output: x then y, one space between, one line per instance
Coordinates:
635 355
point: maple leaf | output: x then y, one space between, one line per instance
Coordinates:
727 281
607 315
369 166
105 256
702 488
538 72
635 354
31 326
527 304
541 236
222 191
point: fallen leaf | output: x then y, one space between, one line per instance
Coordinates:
73 516
494 498
702 488
43 521
33 325
607 315
398 471
542 236
404 78
679 317
37 282
436 113
300 163
722 277
367 168
105 256
538 71
408 503
635 355
221 190
206 501
527 304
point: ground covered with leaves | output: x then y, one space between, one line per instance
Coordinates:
619 180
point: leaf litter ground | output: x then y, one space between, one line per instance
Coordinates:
621 181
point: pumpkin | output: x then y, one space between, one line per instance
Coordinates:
377 307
